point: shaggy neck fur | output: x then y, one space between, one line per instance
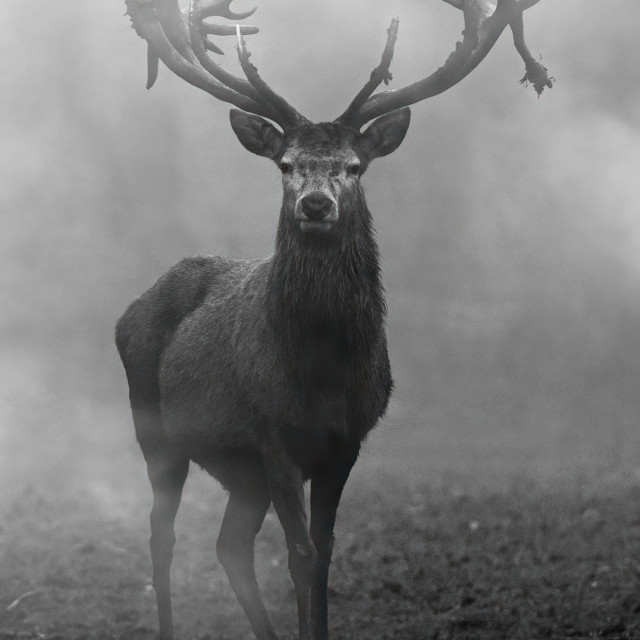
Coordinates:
325 293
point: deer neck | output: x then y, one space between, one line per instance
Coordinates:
328 286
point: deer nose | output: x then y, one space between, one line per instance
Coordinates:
316 205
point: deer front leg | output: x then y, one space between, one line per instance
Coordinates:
326 490
242 520
286 485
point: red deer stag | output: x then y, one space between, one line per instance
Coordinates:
271 372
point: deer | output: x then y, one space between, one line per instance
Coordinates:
270 373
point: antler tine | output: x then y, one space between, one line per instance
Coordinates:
173 25
196 14
535 72
380 74
484 23
222 30
221 8
289 115
226 29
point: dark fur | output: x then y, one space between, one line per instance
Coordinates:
267 372
225 348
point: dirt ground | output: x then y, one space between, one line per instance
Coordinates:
457 558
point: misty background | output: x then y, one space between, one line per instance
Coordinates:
509 229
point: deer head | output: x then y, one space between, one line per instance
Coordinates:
321 163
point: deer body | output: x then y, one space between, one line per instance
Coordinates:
294 342
269 373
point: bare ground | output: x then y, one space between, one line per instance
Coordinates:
524 560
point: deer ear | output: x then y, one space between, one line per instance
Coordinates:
385 134
256 134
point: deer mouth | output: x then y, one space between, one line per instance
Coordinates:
321 226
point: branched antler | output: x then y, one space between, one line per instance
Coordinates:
485 20
289 114
380 74
180 40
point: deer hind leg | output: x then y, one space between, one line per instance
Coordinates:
167 473
242 520
326 490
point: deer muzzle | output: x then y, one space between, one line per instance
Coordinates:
316 211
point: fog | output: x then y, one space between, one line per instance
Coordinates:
508 226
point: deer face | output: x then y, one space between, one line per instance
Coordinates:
321 164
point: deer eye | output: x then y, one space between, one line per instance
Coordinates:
285 167
353 169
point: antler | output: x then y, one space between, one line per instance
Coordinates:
484 23
181 42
